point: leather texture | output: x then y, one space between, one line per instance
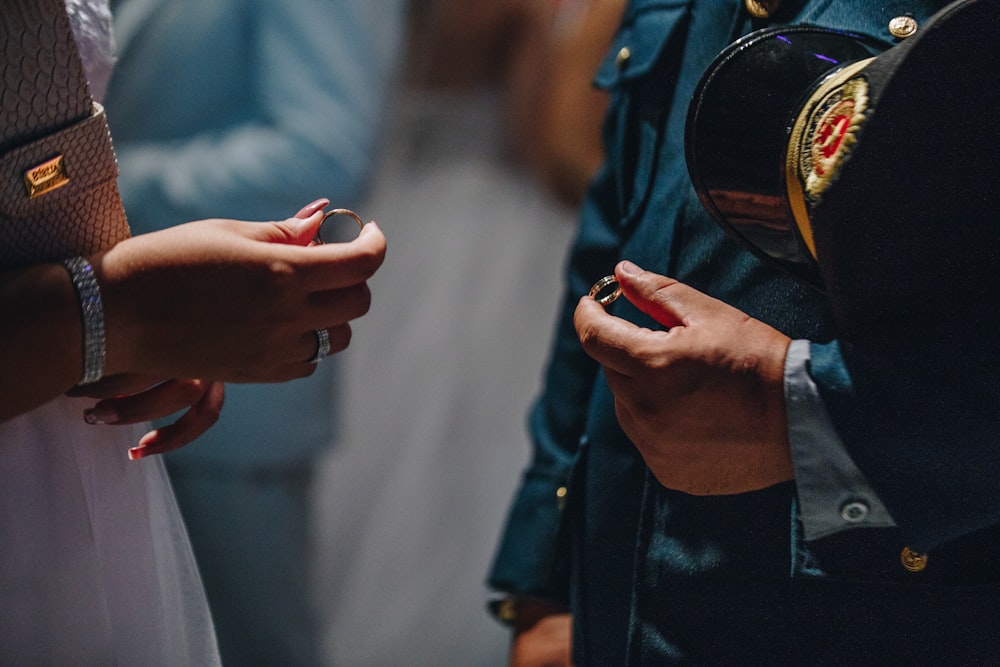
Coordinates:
47 111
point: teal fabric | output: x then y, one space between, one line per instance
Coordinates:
253 513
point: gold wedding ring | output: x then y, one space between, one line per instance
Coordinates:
337 211
602 285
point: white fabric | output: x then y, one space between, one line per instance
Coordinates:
95 565
436 388
91 21
95 568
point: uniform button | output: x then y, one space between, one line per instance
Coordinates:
913 561
623 55
561 496
854 512
902 27
762 9
507 611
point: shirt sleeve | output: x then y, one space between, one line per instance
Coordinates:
317 78
833 493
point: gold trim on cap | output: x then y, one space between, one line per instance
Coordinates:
809 170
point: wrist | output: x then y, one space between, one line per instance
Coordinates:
91 306
118 273
41 327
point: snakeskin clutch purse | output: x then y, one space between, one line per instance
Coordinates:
58 173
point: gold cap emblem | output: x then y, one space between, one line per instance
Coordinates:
821 141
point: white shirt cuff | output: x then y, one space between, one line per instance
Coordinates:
833 493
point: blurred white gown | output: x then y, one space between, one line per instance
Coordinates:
437 384
95 566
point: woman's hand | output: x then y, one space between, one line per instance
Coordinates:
132 399
220 300
703 401
232 301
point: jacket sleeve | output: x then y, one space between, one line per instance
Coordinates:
531 559
917 414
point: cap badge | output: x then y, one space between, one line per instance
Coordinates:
830 132
821 140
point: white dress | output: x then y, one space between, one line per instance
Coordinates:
436 386
95 566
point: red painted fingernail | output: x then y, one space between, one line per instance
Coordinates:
142 451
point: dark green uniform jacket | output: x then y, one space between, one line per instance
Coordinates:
654 576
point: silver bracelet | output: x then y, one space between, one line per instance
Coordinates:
92 309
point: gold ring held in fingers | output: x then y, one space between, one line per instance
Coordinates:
337 211
601 292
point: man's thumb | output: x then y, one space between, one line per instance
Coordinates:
658 296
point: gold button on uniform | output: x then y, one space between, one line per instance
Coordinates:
506 611
762 9
913 561
902 27
561 496
623 55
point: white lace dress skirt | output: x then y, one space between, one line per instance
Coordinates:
95 566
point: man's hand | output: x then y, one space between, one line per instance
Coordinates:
542 635
703 401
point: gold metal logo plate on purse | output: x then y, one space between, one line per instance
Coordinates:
46 177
